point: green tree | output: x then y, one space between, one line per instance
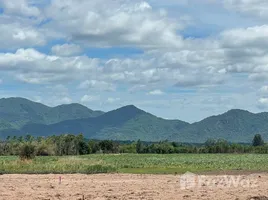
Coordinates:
139 147
81 145
257 141
108 146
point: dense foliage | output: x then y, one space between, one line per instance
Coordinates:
68 144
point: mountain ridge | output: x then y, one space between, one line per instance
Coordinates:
126 123
17 112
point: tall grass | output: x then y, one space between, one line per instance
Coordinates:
134 163
55 165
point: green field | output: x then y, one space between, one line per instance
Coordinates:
136 163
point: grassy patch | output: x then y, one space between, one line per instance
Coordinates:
134 163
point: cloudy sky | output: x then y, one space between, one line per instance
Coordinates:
183 59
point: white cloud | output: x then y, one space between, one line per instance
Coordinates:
66 50
263 100
88 98
264 89
112 100
251 37
97 85
15 35
34 67
156 92
20 7
125 23
257 8
203 62
262 103
245 51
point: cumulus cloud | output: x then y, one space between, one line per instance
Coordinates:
35 67
156 92
200 62
20 7
257 8
89 98
264 89
251 37
262 103
245 51
66 50
125 23
16 35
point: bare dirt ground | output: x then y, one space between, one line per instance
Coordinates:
130 186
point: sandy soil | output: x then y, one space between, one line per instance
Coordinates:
129 186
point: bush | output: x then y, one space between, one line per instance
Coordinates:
27 152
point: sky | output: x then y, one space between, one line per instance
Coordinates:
177 59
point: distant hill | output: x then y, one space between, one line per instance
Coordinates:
20 117
17 112
126 123
235 126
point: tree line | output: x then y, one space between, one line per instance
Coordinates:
68 144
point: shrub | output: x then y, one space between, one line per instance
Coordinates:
44 150
27 152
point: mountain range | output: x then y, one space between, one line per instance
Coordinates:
19 116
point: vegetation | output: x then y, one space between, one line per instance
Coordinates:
126 123
74 154
135 163
19 116
17 112
235 126
27 152
67 144
257 141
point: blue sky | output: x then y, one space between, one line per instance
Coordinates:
185 59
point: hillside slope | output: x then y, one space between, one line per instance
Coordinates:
20 116
126 123
17 112
235 126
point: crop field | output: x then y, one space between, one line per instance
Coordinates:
135 163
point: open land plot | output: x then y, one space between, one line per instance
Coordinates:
132 176
123 186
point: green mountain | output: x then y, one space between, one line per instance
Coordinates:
17 112
20 116
235 126
126 123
